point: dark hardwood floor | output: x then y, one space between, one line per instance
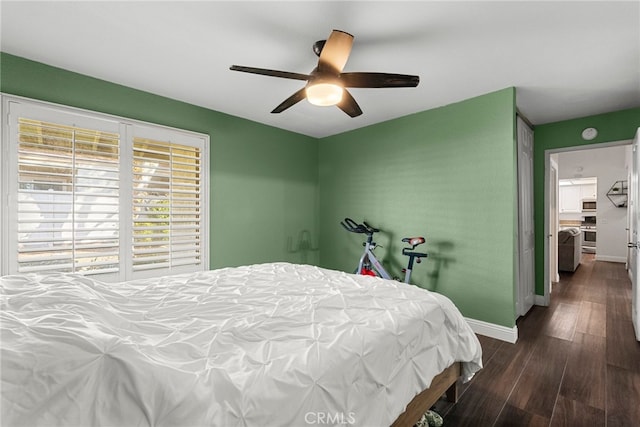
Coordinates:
576 362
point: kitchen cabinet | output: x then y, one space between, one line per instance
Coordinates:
588 191
570 198
572 192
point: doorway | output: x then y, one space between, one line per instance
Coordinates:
609 162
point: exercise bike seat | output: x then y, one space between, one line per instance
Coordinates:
414 241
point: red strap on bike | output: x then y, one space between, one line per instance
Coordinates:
367 272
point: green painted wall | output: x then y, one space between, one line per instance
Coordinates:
448 174
264 181
616 126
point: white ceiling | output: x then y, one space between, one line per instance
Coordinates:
566 59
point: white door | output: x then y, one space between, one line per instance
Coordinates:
553 224
634 228
525 289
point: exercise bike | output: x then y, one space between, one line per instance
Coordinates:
369 264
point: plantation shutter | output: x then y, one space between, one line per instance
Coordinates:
67 198
88 193
167 204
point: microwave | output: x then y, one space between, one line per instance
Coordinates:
588 205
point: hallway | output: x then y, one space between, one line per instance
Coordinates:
576 362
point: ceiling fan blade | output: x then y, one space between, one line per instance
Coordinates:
376 80
272 73
335 52
349 105
290 101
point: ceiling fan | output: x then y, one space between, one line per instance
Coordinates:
326 84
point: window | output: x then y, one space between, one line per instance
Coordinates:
93 194
166 204
67 198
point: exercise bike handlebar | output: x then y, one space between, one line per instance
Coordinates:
354 227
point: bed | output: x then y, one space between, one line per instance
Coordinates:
274 344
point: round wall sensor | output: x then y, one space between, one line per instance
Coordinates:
589 133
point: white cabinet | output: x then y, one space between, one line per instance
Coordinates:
570 198
572 192
589 191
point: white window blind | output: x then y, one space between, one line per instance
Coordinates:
68 184
93 194
166 204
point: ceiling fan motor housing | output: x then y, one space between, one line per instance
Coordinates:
317 47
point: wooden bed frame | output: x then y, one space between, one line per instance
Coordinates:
445 382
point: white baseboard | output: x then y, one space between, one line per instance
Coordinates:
611 258
541 300
492 330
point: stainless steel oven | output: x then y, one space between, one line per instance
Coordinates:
588 231
588 238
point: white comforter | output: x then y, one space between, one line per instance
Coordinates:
263 345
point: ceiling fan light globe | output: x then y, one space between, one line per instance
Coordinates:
324 94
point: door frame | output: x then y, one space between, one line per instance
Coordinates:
546 298
634 225
554 213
